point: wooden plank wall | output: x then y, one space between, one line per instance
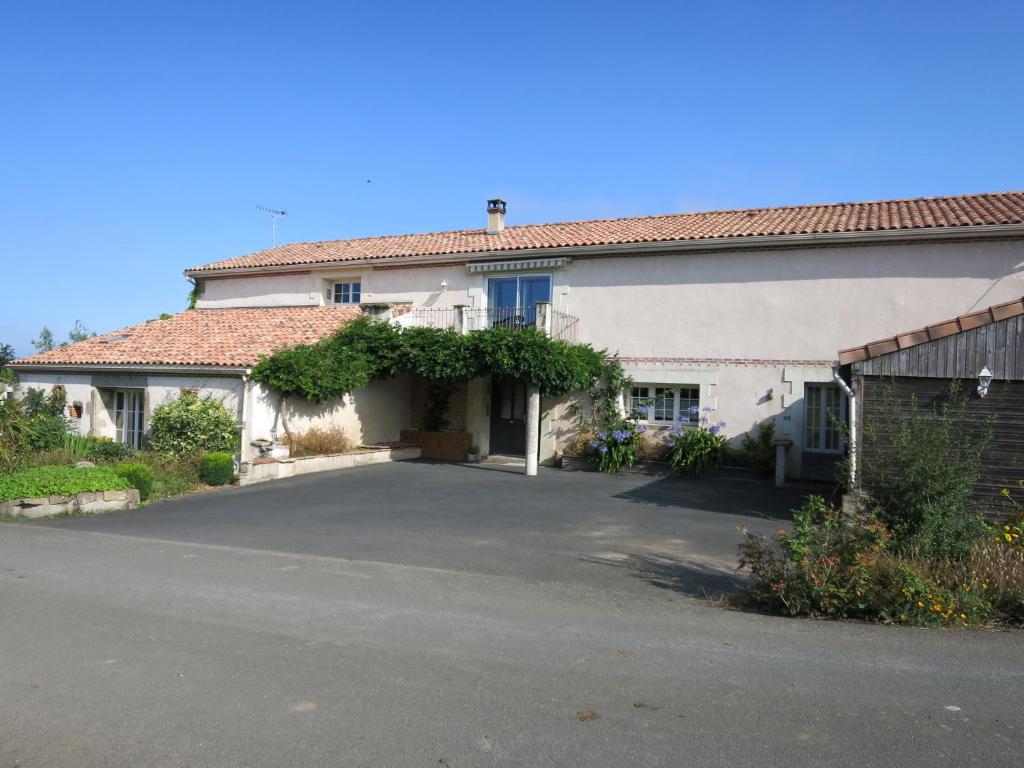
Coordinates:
999 345
1003 463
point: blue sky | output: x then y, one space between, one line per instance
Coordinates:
138 138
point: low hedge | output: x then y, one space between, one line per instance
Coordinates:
36 482
217 468
139 475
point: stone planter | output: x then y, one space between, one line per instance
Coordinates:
81 503
447 446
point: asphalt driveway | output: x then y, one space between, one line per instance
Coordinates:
619 532
439 615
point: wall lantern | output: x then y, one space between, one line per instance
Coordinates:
444 286
984 379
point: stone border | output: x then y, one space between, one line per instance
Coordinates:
262 470
82 503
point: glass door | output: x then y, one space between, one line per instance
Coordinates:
824 410
128 405
512 301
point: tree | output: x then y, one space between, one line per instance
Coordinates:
45 341
6 355
78 333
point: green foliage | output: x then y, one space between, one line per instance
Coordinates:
36 482
105 449
365 350
6 355
15 435
193 296
824 566
217 468
849 565
919 469
190 425
45 341
695 451
172 475
139 476
79 333
756 452
45 417
614 449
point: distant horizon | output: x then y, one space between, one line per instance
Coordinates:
141 139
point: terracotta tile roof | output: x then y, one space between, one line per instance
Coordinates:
214 337
932 332
877 216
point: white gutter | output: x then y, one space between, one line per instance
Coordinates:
172 370
746 242
851 398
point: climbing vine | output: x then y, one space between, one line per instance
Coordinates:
365 350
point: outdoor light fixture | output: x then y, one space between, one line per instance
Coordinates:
444 286
984 379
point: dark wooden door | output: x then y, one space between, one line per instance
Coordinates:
508 417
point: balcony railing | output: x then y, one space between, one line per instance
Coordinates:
467 319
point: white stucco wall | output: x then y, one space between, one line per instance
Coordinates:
96 418
777 310
372 415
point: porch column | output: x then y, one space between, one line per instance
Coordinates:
532 428
460 319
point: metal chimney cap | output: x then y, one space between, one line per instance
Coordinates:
496 205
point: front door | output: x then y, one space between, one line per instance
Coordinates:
508 417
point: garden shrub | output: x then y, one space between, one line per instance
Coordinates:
36 482
15 435
823 566
105 449
317 441
139 475
48 432
755 452
217 468
172 475
695 451
920 469
616 448
192 425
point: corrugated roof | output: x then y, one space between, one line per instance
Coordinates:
876 216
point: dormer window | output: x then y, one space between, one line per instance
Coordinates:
347 293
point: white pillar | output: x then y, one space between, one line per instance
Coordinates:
532 428
460 319
544 317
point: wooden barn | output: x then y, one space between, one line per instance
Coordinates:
984 351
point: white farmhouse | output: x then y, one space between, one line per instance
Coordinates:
738 311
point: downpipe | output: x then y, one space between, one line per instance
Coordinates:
851 409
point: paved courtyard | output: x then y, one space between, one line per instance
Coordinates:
425 615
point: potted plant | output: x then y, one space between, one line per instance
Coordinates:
473 454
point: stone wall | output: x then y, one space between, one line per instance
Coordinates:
81 503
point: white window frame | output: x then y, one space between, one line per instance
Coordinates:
679 406
129 409
518 276
823 428
356 281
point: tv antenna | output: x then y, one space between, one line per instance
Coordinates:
275 214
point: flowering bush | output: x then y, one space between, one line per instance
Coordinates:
617 448
695 450
848 565
823 566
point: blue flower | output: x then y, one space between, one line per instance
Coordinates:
602 449
640 429
594 443
602 435
714 429
694 409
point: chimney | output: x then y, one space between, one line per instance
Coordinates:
495 216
